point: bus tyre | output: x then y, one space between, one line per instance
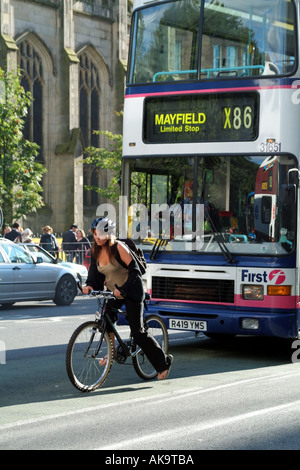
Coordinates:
220 336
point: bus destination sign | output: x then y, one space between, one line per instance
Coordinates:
213 117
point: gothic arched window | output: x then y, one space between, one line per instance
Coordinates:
89 93
95 107
32 80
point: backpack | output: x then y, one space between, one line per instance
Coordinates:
48 243
136 253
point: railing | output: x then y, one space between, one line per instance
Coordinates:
79 255
244 69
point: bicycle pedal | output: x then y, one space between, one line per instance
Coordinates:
120 355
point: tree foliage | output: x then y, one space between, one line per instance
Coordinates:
20 174
110 159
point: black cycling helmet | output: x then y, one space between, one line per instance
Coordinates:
95 223
106 225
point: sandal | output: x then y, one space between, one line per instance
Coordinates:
164 375
103 361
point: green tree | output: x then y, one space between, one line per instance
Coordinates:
20 173
110 159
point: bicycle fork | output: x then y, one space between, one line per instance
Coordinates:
96 352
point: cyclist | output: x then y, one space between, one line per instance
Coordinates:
112 264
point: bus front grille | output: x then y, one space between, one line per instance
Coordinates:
205 290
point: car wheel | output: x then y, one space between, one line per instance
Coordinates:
66 290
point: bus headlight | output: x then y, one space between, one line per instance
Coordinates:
252 292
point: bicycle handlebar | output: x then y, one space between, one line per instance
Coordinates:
104 293
94 293
109 294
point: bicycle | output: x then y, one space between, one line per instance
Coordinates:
91 343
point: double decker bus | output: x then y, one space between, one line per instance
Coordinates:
211 148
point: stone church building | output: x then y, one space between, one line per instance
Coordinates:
73 58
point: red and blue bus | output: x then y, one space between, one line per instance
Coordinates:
211 148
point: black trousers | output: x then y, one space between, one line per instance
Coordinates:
149 345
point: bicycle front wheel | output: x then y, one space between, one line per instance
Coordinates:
156 328
86 351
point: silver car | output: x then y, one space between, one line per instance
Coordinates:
23 276
79 269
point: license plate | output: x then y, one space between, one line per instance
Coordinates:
176 324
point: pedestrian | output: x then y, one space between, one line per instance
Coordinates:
83 253
112 262
69 243
25 236
6 230
15 232
48 241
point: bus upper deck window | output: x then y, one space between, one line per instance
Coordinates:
238 39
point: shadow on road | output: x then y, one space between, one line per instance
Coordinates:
38 374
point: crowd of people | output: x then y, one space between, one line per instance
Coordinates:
75 245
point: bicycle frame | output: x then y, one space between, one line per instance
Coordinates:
91 340
104 318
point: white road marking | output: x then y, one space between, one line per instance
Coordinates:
163 397
185 430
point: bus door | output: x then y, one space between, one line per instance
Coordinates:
265 199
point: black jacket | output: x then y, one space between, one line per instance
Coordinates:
69 241
49 239
131 289
13 235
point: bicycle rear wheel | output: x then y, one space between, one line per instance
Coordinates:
156 328
84 352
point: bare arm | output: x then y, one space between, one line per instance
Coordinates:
124 254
